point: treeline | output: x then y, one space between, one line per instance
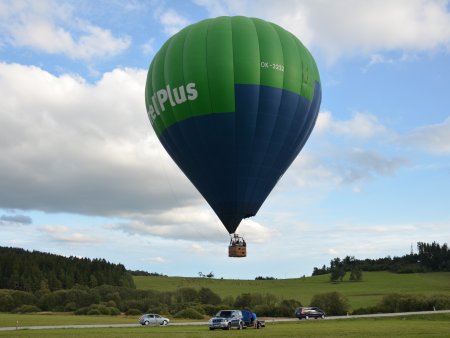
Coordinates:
197 303
336 304
395 302
33 271
113 300
145 273
429 258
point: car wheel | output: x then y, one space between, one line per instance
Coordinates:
211 328
240 326
323 316
146 322
164 322
229 326
306 317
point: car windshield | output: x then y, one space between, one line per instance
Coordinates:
224 314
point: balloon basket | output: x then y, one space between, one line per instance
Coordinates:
237 247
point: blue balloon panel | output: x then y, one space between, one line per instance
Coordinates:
234 159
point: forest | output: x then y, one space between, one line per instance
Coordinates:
429 258
32 271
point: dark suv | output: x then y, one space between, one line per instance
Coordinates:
309 312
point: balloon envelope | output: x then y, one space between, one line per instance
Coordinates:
233 101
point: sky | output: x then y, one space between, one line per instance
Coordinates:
83 174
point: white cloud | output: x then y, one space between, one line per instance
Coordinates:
192 223
189 223
254 232
331 167
433 138
89 149
52 28
69 144
61 233
365 163
349 27
157 260
197 248
361 125
172 21
148 47
227 7
343 156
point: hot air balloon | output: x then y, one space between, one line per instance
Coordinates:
233 101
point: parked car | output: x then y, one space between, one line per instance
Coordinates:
153 319
226 319
309 312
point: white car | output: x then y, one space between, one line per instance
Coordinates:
153 319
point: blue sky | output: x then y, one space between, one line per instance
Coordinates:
83 174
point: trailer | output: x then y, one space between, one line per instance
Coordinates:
250 321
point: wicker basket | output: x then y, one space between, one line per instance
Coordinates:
237 251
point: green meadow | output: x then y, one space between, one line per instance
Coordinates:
436 325
367 292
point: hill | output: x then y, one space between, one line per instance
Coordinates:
36 281
34 270
365 293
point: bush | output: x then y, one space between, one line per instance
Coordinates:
395 302
93 312
133 312
98 309
6 302
366 310
208 297
26 309
56 301
333 303
186 295
81 311
440 302
22 297
113 311
265 310
211 310
70 307
287 307
189 313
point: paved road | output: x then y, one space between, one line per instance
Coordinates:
268 320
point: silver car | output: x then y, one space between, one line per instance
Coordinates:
153 319
226 319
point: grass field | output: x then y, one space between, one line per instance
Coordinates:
366 293
43 319
436 325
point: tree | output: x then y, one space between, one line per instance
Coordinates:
209 297
356 274
333 303
186 295
337 270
